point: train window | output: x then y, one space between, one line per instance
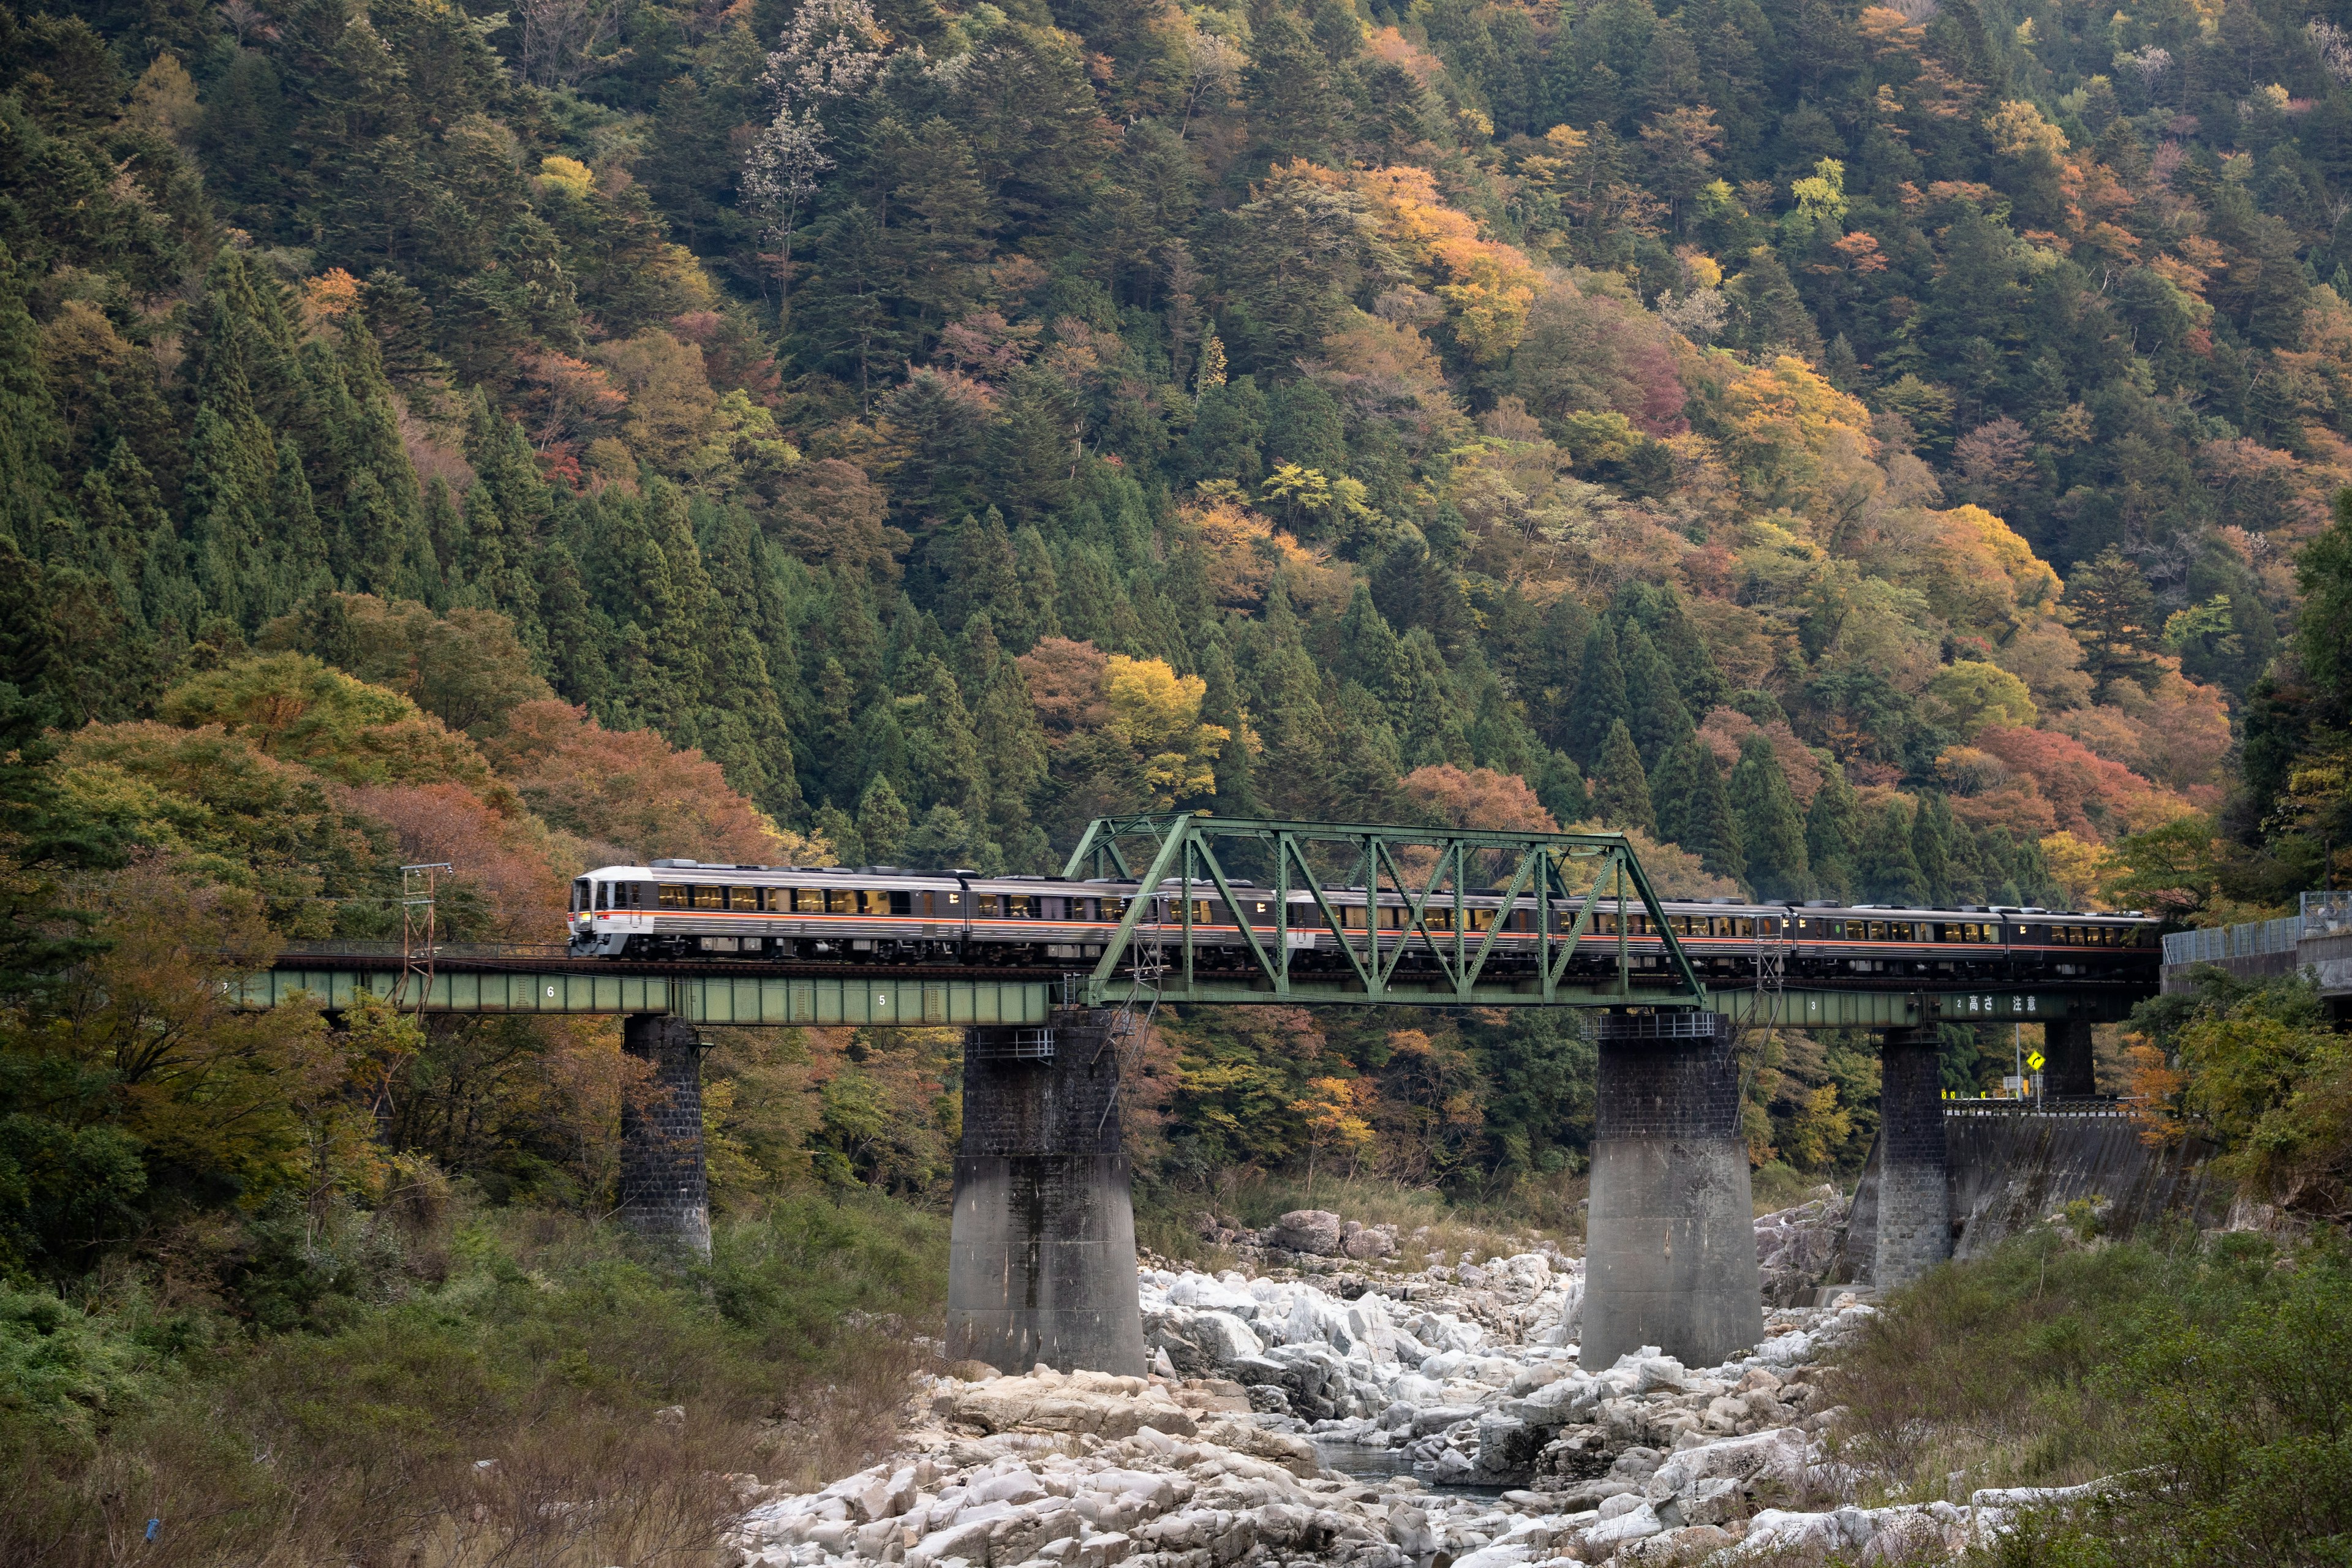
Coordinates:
1114 909
671 895
840 902
579 895
873 900
807 900
742 898
1016 906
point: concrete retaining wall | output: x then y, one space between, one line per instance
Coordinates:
2011 1168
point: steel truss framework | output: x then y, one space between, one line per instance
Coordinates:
1565 873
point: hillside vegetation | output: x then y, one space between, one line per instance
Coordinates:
1868 452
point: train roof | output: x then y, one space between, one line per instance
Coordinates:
698 870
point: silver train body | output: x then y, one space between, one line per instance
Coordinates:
674 909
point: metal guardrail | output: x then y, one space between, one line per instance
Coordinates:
2327 914
2215 943
533 951
2318 914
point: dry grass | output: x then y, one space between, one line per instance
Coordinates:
562 1401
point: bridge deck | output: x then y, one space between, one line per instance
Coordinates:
545 980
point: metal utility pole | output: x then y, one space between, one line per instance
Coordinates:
418 886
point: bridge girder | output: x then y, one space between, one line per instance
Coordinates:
1434 871
1565 874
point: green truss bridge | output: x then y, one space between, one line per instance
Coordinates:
1041 1265
1596 936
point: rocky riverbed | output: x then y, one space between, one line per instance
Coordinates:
1324 1409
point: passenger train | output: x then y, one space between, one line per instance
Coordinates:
686 909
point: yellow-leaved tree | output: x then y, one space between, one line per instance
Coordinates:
1156 713
1800 443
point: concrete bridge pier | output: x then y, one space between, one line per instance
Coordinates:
1915 1204
1670 1239
2069 1072
1042 1245
664 1193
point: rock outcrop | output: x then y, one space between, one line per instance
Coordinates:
1277 1396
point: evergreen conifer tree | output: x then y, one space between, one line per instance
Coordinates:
1089 599
1304 426
1423 708
1221 704
980 574
1621 792
1368 648
2031 868
1228 431
832 731
1714 825
30 434
1654 706
123 526
880 746
882 821
838 828
445 526
851 631
1599 700
389 550
1499 739
944 755
1555 665
1890 870
302 543
1770 827
1832 829
577 634
1561 790
1931 846
1040 591
1673 788
1696 676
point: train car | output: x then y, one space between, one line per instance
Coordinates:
882 915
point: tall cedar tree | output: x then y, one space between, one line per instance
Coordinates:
1620 789
1770 828
1832 827
1598 699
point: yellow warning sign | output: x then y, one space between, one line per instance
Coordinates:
2033 1060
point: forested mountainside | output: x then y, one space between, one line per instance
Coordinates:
1866 452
